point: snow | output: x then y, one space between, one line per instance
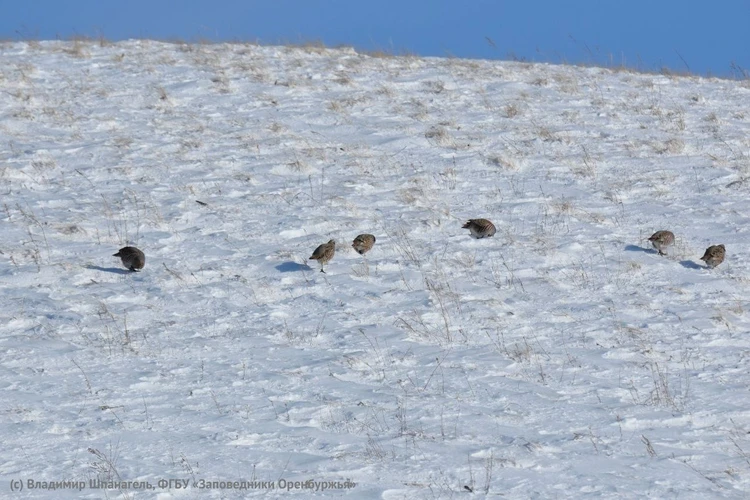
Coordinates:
561 358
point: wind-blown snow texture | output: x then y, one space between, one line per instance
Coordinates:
561 358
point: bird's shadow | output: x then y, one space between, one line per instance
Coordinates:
291 267
115 270
689 264
636 248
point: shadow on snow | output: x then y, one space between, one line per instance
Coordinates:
291 267
636 248
689 264
115 270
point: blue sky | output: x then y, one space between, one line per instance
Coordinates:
689 34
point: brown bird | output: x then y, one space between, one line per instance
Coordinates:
132 258
324 253
480 228
363 243
714 255
661 240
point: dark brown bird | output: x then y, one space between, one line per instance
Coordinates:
132 258
714 255
324 253
661 240
480 228
363 243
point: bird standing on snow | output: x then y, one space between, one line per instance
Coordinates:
132 258
324 253
480 228
661 240
714 255
363 243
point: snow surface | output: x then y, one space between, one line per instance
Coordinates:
561 358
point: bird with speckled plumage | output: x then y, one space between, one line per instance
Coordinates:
324 253
661 240
714 255
480 228
131 258
363 243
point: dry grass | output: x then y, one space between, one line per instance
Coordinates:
78 47
440 136
671 146
502 162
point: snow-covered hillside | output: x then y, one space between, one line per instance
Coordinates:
561 358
